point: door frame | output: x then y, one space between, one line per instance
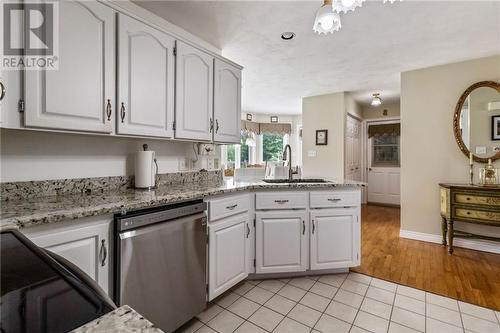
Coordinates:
364 149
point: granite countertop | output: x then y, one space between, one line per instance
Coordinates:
123 320
50 209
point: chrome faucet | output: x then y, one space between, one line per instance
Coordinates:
289 158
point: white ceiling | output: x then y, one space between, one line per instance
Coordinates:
376 43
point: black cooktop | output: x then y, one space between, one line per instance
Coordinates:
38 294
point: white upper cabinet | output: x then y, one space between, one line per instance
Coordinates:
334 238
194 93
227 102
75 97
145 80
281 242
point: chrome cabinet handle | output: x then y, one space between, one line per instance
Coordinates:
281 201
334 199
248 230
216 126
303 227
108 109
314 227
232 206
122 112
211 125
103 253
2 91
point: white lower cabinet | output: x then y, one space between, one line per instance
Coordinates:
228 253
86 246
281 241
334 238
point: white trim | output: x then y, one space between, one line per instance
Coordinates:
473 244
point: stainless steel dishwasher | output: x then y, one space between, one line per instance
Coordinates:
161 260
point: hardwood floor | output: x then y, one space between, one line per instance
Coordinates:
467 275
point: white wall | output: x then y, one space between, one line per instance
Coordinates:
323 112
352 107
429 154
30 155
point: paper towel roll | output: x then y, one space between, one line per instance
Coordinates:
144 169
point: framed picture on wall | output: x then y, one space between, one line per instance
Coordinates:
321 137
495 127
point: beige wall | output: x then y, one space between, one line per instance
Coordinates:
323 112
352 107
429 154
370 112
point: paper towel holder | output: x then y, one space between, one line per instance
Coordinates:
148 188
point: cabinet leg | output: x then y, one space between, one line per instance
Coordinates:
450 237
444 229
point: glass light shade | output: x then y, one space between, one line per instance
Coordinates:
343 6
376 101
327 21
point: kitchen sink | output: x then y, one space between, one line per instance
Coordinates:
293 181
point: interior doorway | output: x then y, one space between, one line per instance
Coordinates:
383 156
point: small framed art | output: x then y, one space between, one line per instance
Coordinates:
321 137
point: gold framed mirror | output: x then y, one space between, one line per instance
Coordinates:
476 122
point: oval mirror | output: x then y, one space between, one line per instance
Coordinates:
476 122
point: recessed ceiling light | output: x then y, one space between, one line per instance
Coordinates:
287 35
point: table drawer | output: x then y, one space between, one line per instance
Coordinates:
477 199
281 200
329 199
474 214
228 206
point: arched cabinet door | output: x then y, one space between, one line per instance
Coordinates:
75 97
227 102
145 80
194 94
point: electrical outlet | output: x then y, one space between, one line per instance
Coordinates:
311 153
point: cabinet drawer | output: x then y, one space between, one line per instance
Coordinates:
334 199
477 199
228 206
281 200
473 214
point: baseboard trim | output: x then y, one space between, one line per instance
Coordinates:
473 244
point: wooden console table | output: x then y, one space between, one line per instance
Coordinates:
470 204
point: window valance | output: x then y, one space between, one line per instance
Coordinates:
259 128
384 129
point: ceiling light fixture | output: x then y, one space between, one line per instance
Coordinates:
287 35
327 21
376 101
344 6
328 18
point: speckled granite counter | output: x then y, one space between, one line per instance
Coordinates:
50 209
123 320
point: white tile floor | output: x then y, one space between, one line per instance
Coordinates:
340 303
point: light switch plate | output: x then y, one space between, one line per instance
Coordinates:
184 164
311 153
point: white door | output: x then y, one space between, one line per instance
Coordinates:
384 170
334 238
281 241
145 79
86 247
194 93
80 94
353 149
227 102
228 253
